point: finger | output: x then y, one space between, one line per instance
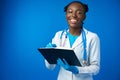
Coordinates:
65 62
54 45
60 62
50 44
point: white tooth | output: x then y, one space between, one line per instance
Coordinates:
73 20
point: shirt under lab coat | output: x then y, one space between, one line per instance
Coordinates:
93 56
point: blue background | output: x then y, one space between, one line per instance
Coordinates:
26 25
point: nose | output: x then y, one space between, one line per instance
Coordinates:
74 15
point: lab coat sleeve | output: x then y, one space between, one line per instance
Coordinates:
56 39
94 58
49 66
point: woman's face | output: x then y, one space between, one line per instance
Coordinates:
75 15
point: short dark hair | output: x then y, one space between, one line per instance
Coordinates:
85 6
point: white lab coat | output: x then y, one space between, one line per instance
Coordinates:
93 56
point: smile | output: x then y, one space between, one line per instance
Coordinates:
73 20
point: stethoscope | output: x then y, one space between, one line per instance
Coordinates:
83 40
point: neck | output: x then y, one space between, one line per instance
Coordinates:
75 31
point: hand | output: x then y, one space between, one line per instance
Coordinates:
51 45
66 66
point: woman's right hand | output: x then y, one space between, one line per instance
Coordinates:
49 45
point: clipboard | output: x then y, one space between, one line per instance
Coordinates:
52 54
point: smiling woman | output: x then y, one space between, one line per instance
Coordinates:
26 25
86 45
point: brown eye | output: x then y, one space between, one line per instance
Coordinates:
80 12
69 11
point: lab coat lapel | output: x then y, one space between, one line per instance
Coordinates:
65 41
68 43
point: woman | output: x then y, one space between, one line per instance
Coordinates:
86 45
